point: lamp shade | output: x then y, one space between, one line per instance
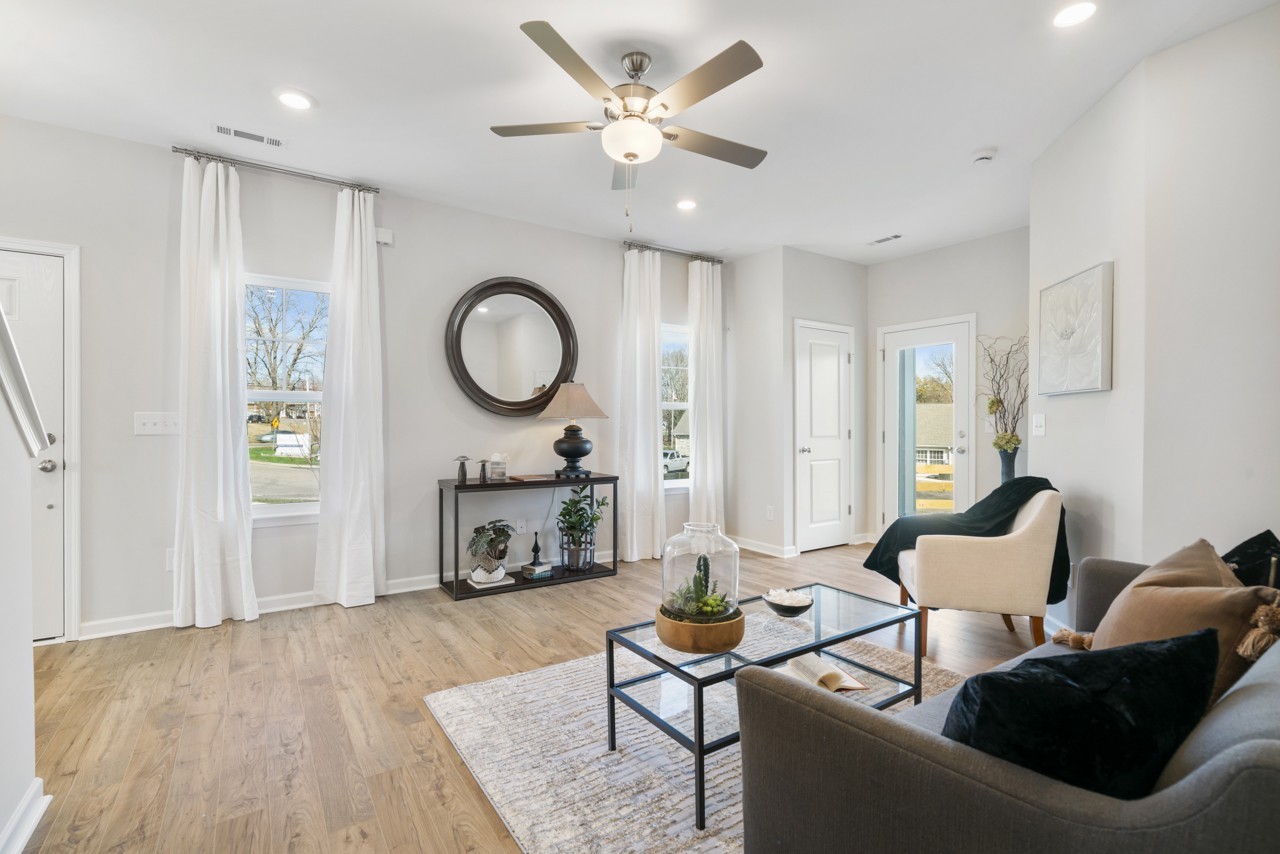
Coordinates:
572 401
631 139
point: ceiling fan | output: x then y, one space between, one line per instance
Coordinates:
632 132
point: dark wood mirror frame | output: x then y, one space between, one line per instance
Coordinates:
549 304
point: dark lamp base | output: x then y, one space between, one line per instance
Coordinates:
573 446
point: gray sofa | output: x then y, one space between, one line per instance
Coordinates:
821 773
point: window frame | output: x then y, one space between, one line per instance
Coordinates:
675 485
301 512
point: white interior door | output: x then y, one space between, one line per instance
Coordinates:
823 438
928 419
31 296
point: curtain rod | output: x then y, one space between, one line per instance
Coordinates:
629 244
267 167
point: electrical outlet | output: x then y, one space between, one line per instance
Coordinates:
768 513
168 560
1037 424
521 528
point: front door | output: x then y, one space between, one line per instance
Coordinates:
823 437
31 296
928 412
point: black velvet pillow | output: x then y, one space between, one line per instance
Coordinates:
1251 560
1107 720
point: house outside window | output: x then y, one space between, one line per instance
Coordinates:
286 331
674 406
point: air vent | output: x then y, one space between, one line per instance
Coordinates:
273 141
888 239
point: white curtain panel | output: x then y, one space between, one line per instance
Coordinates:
351 564
213 567
641 510
706 395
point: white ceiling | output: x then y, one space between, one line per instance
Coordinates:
870 110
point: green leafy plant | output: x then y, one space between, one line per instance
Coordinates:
580 515
491 539
697 600
1005 368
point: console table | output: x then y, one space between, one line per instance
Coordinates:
457 583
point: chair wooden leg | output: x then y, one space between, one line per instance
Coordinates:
924 632
1008 622
1037 630
902 595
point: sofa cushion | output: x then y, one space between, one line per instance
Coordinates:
1107 721
932 713
1189 590
1250 711
1251 560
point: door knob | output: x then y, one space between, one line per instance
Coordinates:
47 466
960 450
806 449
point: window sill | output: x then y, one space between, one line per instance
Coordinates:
676 487
284 515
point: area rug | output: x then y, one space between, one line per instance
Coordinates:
537 744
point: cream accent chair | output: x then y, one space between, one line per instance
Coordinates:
1006 575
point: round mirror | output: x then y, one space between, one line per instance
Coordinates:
510 344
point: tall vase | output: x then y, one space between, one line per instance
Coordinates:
1006 465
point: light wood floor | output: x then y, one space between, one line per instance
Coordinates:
306 730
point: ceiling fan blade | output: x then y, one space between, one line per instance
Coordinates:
624 176
725 68
567 58
549 127
713 146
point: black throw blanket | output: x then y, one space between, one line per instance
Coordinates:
990 517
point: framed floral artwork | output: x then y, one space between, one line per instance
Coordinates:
1075 333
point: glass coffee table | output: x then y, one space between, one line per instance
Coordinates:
692 698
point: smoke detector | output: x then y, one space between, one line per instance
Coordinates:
250 136
983 157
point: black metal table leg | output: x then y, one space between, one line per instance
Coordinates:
699 762
919 692
608 657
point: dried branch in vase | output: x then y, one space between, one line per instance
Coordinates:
1005 368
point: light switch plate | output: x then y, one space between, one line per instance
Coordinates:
1037 424
155 423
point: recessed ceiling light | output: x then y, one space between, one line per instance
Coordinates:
1076 13
686 204
482 309
295 99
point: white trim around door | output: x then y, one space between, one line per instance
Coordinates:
881 331
70 256
851 384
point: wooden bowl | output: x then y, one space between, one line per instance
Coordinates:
705 638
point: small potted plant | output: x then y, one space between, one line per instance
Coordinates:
699 611
1005 368
578 519
488 546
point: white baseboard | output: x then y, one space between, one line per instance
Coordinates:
858 539
408 585
22 824
285 602
126 625
1051 625
765 548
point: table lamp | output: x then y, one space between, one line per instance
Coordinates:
573 402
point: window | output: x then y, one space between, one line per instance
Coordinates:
675 403
286 327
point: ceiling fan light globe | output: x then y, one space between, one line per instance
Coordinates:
631 140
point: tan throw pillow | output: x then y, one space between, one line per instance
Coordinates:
1190 590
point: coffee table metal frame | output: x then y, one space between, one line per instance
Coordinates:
698 745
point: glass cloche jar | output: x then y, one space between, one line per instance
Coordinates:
699 610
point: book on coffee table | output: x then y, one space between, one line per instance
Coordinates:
812 669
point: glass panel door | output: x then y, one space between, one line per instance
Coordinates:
928 393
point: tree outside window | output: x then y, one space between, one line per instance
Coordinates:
286 331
